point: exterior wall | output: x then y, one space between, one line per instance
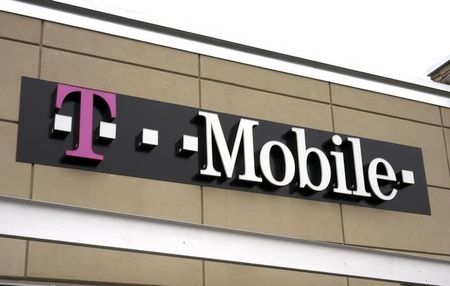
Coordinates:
30 47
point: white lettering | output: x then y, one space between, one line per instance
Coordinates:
374 176
289 170
359 171
303 154
244 134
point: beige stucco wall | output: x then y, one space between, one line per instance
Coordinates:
60 53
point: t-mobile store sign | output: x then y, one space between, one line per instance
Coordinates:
76 127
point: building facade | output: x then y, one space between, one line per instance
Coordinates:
47 50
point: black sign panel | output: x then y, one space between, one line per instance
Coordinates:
128 147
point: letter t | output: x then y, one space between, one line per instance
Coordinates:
84 146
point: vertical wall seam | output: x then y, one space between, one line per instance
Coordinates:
200 106
340 205
40 50
25 269
202 204
199 82
31 181
334 130
331 107
445 140
27 244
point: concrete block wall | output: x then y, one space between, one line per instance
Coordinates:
50 51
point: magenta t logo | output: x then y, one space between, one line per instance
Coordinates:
84 146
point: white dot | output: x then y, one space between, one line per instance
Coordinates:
337 140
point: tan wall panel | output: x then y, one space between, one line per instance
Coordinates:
12 257
447 141
263 105
19 27
16 60
118 193
57 261
427 137
117 77
403 231
445 116
112 47
15 177
221 274
274 81
380 103
270 214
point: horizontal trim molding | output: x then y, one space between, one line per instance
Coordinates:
125 26
20 218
